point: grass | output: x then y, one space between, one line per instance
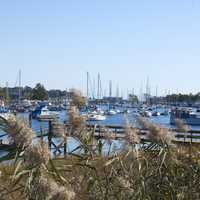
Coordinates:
157 170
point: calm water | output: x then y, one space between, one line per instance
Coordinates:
118 119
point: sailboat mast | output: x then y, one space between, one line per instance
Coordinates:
20 83
101 92
98 85
7 94
117 91
87 85
110 88
94 89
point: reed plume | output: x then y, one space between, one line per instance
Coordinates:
181 125
19 132
156 133
37 155
132 135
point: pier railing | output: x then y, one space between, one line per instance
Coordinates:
115 132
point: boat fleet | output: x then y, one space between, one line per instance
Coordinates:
100 114
97 114
37 110
46 111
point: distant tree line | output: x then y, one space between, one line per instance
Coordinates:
188 98
39 92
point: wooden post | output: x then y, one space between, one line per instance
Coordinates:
185 137
30 120
50 134
99 131
65 143
41 134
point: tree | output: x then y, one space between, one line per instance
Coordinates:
78 99
133 98
39 92
2 93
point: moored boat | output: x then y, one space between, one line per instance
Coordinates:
43 113
111 112
189 117
155 114
96 117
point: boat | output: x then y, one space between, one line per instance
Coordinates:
43 113
99 111
96 117
146 114
111 112
127 111
155 114
118 111
165 113
55 108
186 115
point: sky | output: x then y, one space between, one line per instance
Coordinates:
126 41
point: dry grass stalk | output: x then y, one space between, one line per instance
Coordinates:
61 193
180 124
19 132
132 136
156 133
160 134
40 188
58 129
37 154
77 98
139 174
75 120
43 188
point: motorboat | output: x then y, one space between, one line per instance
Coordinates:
186 115
127 111
146 113
165 113
111 112
155 114
43 113
96 117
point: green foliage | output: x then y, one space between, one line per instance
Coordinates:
2 93
133 99
39 92
189 98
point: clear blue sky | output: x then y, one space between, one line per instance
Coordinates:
56 41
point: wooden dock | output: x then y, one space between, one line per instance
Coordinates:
114 132
118 132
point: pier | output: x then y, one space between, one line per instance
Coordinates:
114 132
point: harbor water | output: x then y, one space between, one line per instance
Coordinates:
118 119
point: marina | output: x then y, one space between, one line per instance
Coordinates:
99 100
114 124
